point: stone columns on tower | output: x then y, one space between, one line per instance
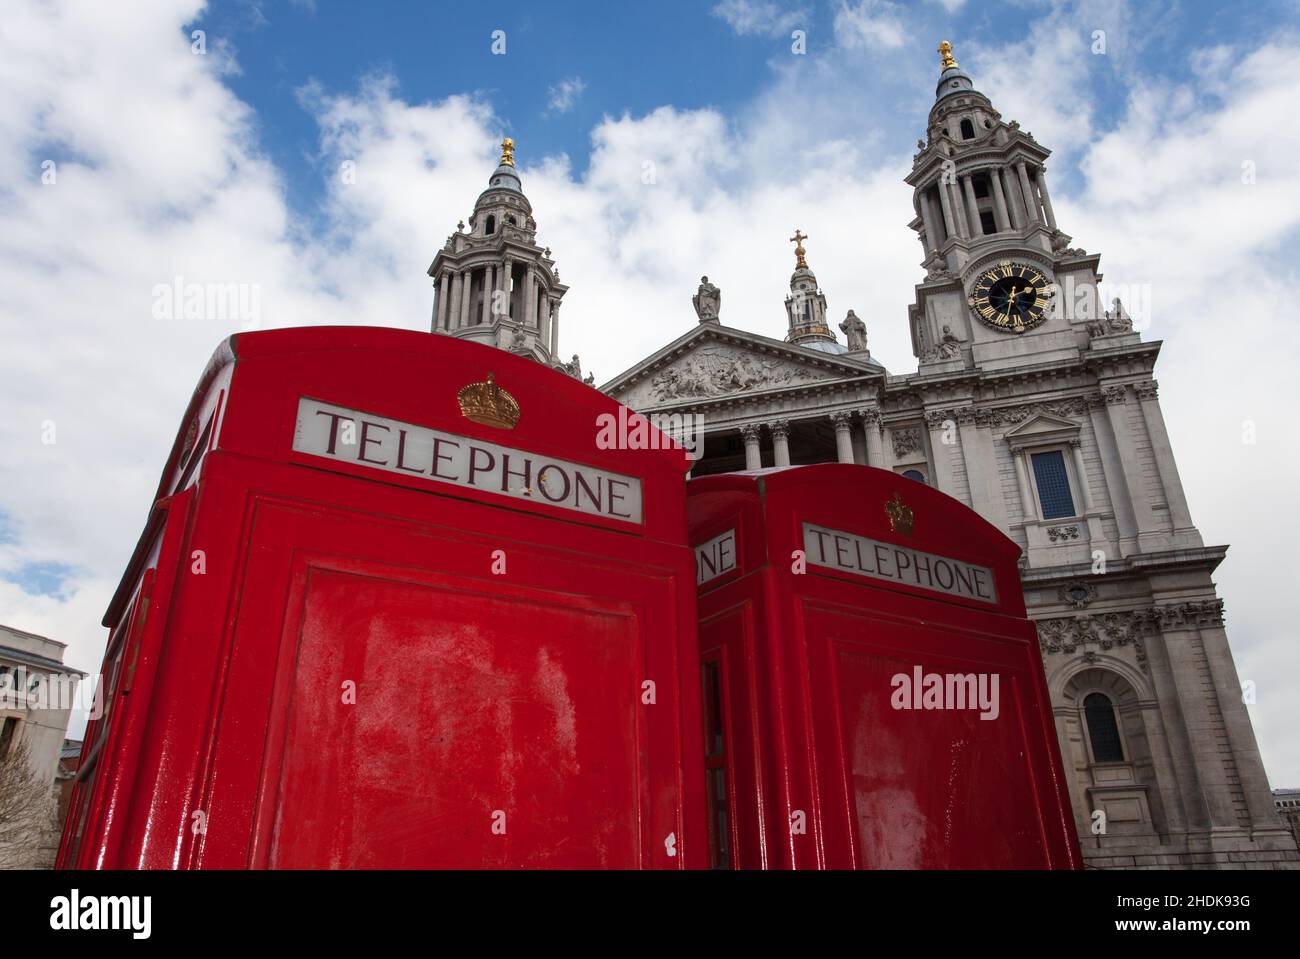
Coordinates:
1031 206
999 202
1040 180
972 207
945 203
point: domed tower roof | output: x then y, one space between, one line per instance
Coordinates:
954 82
505 176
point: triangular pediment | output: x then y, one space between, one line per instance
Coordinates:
713 361
1043 427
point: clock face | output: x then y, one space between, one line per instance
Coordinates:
1011 298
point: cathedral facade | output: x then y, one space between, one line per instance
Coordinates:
1034 403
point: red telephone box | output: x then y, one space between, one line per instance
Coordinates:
873 692
396 606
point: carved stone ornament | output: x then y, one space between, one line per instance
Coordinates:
1062 533
1088 633
720 371
1077 595
906 440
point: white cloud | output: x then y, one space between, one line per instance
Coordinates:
562 96
759 17
870 24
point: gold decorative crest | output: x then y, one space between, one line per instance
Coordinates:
508 151
900 515
945 52
489 404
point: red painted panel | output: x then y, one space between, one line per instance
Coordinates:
523 707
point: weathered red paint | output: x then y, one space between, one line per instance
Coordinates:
807 663
267 579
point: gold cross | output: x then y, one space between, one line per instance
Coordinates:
799 261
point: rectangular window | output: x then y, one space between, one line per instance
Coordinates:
715 766
987 223
1053 484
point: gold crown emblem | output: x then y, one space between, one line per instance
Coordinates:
900 515
488 404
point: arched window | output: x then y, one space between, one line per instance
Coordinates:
491 225
914 475
1103 732
967 130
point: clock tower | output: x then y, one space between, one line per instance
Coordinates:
1002 281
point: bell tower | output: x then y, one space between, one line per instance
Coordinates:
1002 281
805 307
493 283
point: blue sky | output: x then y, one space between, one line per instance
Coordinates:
223 168
633 57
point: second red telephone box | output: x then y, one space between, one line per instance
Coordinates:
873 691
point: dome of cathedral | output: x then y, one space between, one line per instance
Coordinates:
825 346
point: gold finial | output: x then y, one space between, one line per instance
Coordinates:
799 262
945 51
508 151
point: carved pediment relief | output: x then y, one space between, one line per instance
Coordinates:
715 369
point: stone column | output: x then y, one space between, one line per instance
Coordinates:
843 420
507 278
485 315
1040 180
1076 448
530 299
1011 193
1026 492
932 241
457 294
437 307
444 301
941 452
467 291
753 454
1031 205
544 317
555 327
1164 455
959 211
871 429
780 430
999 202
945 205
972 206
1115 398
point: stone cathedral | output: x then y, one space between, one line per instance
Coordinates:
1034 404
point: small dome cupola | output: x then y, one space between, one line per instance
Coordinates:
805 307
505 176
953 79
